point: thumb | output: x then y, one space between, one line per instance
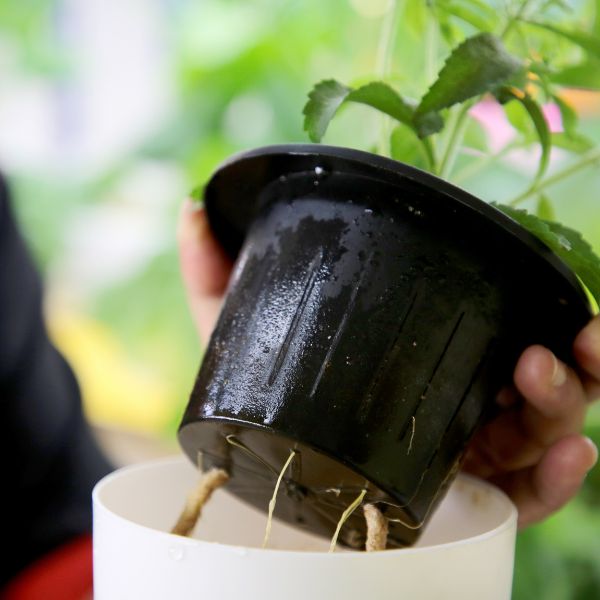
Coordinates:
205 267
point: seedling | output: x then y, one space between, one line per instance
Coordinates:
521 54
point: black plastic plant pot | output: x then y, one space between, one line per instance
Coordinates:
373 315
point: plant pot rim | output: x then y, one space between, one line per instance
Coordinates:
174 461
274 161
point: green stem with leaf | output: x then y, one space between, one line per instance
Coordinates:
460 125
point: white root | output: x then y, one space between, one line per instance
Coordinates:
274 499
377 528
345 516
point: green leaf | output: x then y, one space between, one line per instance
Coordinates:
328 96
568 115
568 244
519 118
197 194
585 75
544 209
382 97
415 17
575 143
427 124
589 42
323 102
538 120
479 64
405 146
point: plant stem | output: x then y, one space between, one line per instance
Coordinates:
586 160
385 52
455 141
476 167
512 21
431 49
431 46
460 124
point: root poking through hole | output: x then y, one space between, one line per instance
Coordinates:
273 500
192 510
345 516
377 528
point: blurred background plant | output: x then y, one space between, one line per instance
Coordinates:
110 112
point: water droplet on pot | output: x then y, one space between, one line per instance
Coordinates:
176 553
282 178
564 242
368 211
319 170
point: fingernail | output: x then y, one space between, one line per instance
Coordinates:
559 373
193 226
594 452
192 206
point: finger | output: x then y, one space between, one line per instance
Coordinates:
555 399
586 349
542 490
205 267
553 406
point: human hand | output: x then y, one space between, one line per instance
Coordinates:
205 268
533 449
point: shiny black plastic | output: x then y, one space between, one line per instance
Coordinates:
373 315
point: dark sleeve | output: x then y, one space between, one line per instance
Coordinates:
49 461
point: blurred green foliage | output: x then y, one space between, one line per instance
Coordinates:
261 57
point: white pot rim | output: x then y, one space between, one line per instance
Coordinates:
507 523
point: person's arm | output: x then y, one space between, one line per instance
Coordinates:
534 449
49 459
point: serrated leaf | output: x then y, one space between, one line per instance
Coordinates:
544 209
382 97
405 146
575 143
477 65
589 42
567 114
328 96
585 76
323 102
565 242
539 122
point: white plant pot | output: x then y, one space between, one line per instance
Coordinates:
467 551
